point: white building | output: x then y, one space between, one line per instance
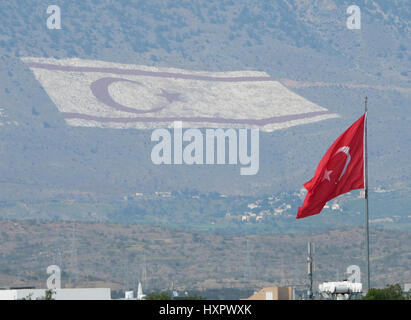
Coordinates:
59 294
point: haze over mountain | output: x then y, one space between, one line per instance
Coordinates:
78 107
305 46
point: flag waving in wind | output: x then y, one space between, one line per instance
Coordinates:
340 170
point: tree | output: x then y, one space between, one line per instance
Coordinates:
192 297
158 296
49 294
391 292
28 297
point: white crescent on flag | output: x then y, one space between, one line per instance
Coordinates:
346 151
105 94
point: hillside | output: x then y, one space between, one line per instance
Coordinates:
306 47
214 212
118 256
78 106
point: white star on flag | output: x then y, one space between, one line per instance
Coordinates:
327 174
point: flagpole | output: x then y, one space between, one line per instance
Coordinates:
367 238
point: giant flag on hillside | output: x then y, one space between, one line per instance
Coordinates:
340 170
115 95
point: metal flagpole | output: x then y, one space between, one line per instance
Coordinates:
367 238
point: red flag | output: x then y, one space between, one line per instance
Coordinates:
340 170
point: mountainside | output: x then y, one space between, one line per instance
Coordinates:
116 256
278 37
306 47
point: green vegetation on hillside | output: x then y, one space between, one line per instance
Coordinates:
391 292
120 256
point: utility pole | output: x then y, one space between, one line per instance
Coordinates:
310 271
74 262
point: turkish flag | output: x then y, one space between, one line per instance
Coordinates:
340 170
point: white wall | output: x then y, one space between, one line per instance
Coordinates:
60 294
8 294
